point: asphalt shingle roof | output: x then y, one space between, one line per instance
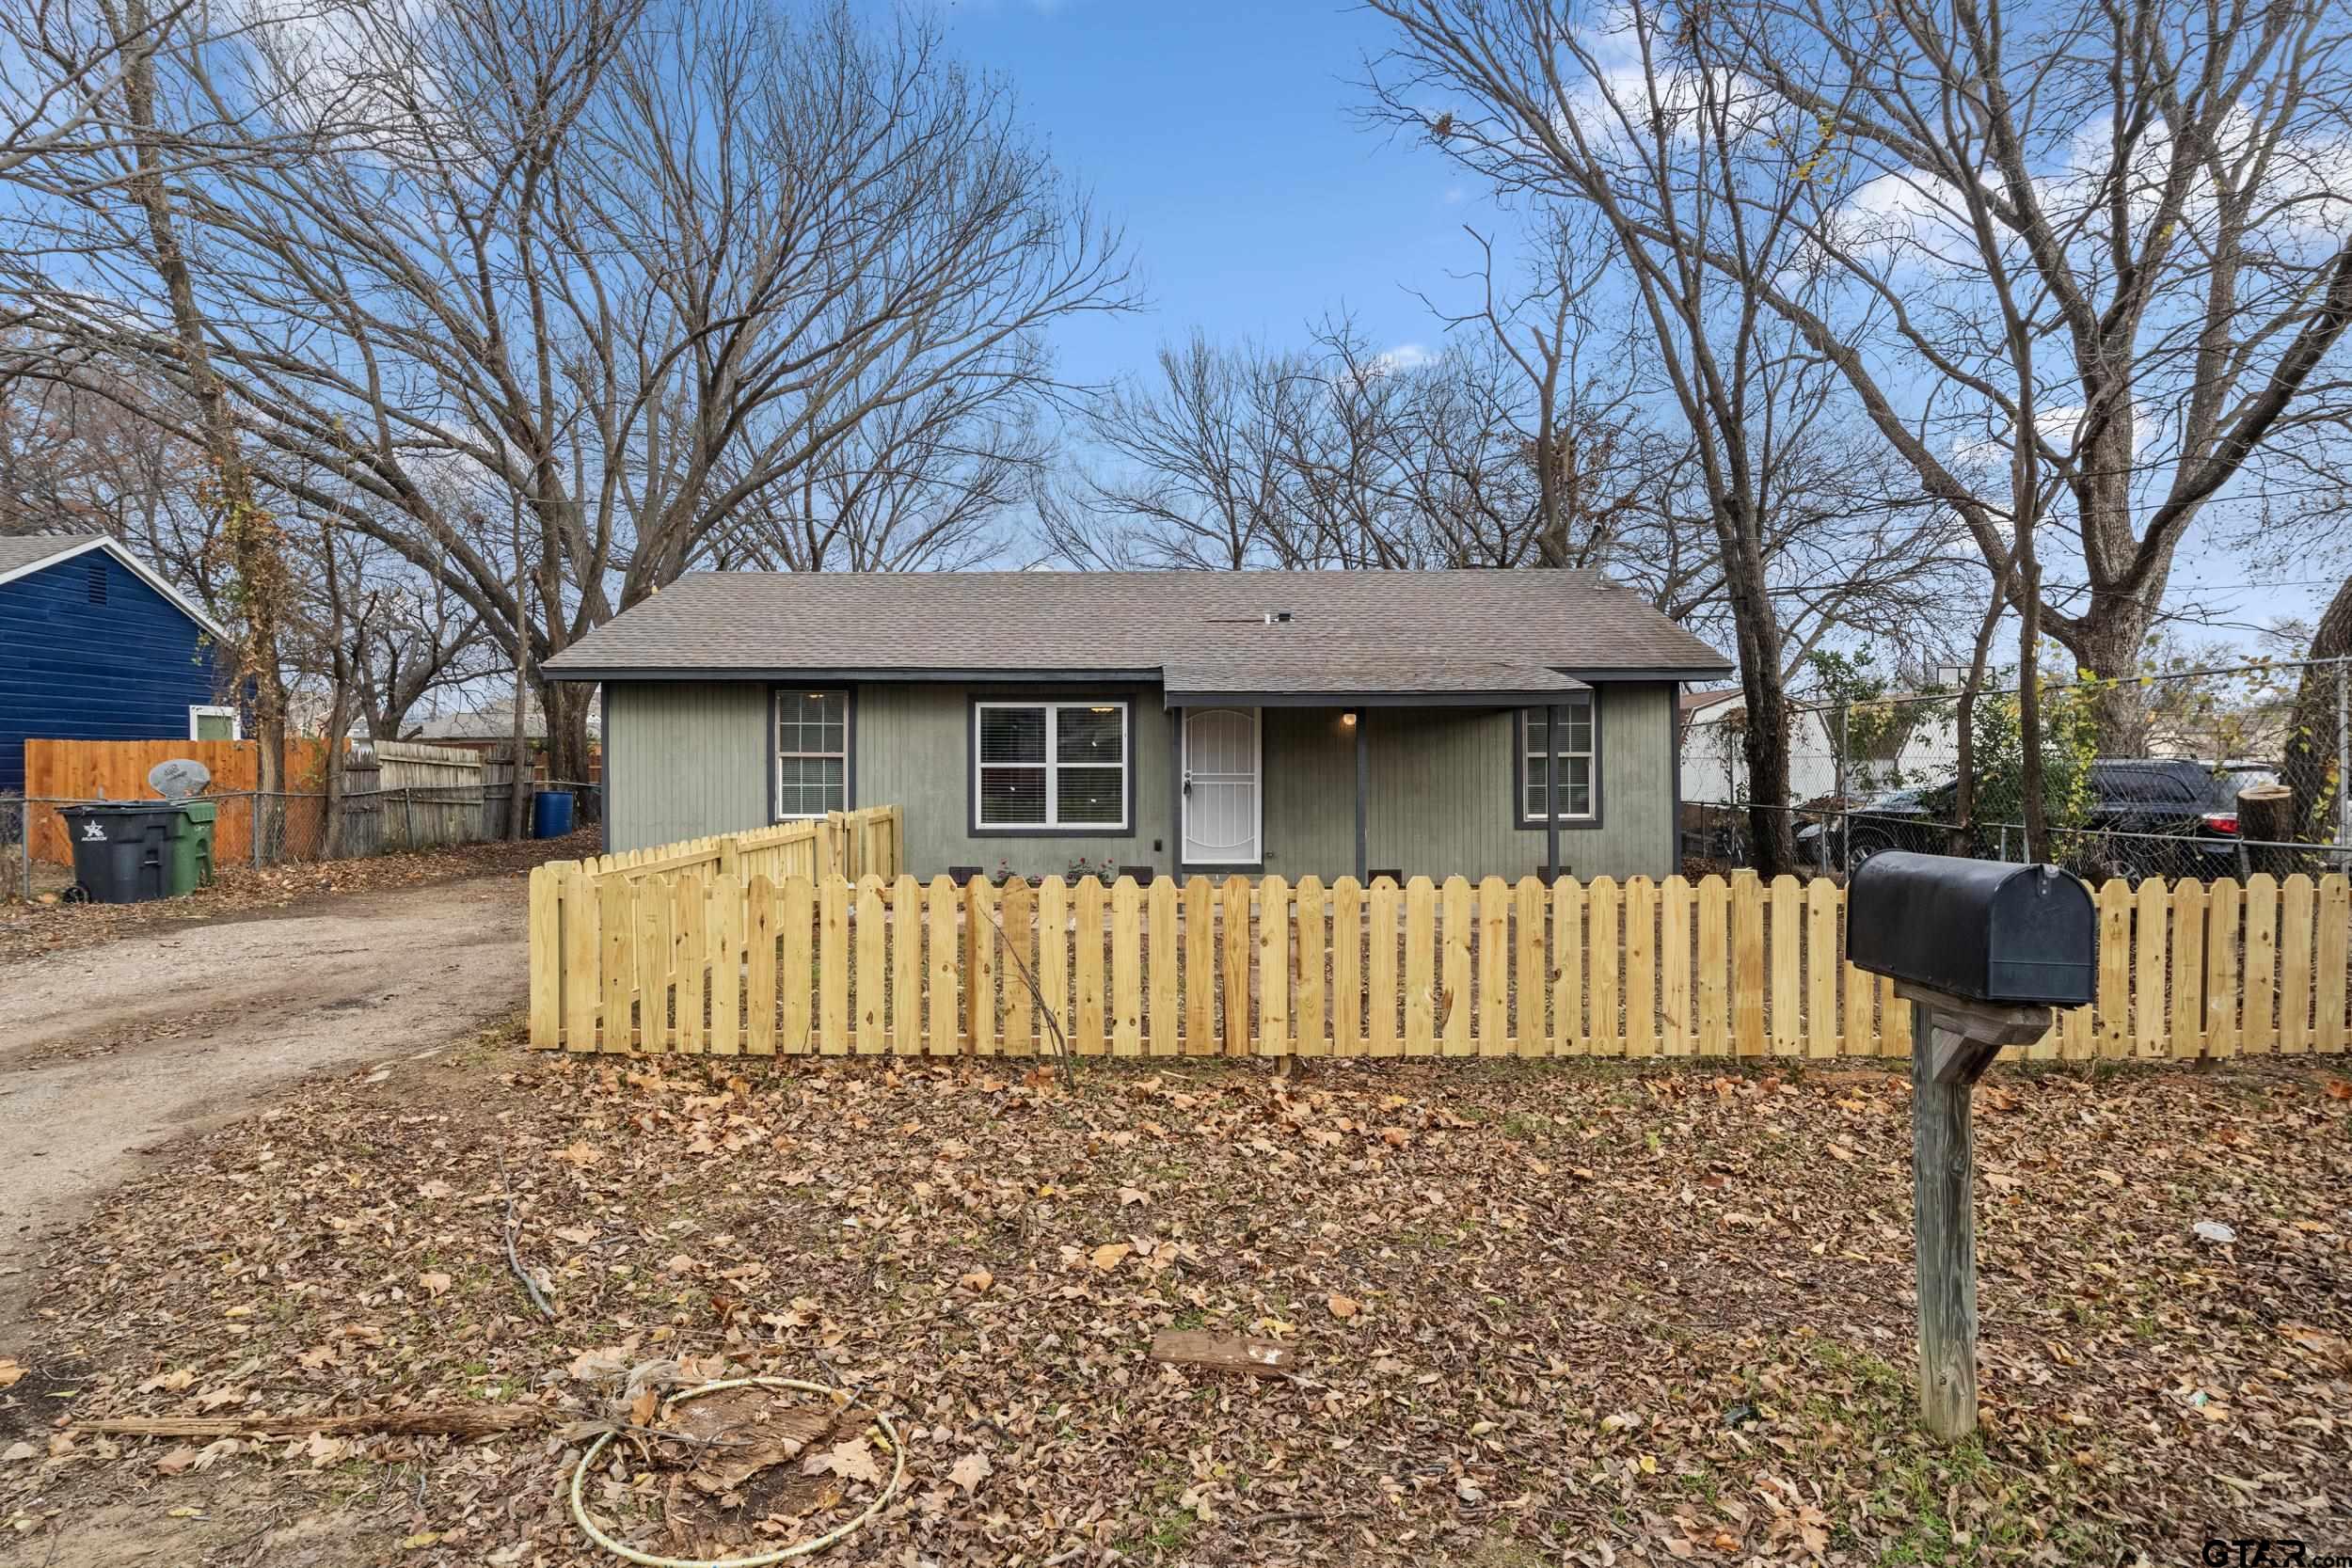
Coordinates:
25 550
1454 628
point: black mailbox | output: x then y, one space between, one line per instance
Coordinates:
2014 935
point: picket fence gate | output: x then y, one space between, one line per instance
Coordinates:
675 953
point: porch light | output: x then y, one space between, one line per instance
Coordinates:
1348 718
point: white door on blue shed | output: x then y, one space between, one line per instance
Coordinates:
1224 802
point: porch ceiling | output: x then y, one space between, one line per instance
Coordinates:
1434 681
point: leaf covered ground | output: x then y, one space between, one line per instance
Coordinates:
1540 1314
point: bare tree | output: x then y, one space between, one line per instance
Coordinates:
636 264
2106 242
1651 151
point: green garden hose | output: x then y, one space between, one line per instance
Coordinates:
783 1554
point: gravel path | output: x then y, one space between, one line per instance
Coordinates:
108 1053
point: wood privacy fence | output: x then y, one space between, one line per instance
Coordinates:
661 958
398 794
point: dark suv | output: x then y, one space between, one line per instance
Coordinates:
2167 817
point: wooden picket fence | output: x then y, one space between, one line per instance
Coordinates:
658 957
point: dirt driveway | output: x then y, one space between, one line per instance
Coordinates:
107 1052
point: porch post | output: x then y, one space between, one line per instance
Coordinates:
1551 792
1363 777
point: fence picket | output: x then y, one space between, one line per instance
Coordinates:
1126 1016
1384 999
1200 972
2148 933
872 967
1788 976
1747 961
619 960
1053 1021
2187 978
980 1015
546 958
690 949
793 945
2114 1008
1234 964
1714 963
2224 925
1454 978
760 915
583 948
1308 947
1529 1036
653 965
1016 966
2296 899
1090 902
1674 964
2335 953
2258 977
1493 934
943 901
1641 967
1420 954
1569 1037
1160 923
1273 967
1606 1027
725 923
1347 968
1820 967
906 966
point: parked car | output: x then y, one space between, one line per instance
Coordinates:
2171 817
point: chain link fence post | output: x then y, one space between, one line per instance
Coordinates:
2343 755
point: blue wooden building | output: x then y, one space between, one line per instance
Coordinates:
95 645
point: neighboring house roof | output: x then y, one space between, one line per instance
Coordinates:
22 555
490 721
1699 701
1346 633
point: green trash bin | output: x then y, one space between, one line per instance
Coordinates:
192 850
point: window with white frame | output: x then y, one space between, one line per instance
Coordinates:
811 752
1570 752
1049 765
207 722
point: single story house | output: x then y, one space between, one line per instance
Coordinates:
95 645
1196 723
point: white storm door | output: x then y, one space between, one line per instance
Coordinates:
1224 813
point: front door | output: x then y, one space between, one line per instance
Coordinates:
1223 820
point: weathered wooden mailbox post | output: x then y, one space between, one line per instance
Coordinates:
1982 951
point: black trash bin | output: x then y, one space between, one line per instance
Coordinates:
122 852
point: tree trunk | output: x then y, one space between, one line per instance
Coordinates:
564 705
256 557
2110 647
2314 741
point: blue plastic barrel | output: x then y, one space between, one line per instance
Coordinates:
551 814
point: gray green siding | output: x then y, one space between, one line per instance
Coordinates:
691 759
683 759
1440 796
913 750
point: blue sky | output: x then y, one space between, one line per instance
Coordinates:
1223 134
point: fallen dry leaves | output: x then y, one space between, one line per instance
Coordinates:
1616 1314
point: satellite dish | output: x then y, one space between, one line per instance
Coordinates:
179 779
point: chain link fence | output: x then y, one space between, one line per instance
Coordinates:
290 828
2203 791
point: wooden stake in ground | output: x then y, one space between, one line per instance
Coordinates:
1953 1041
